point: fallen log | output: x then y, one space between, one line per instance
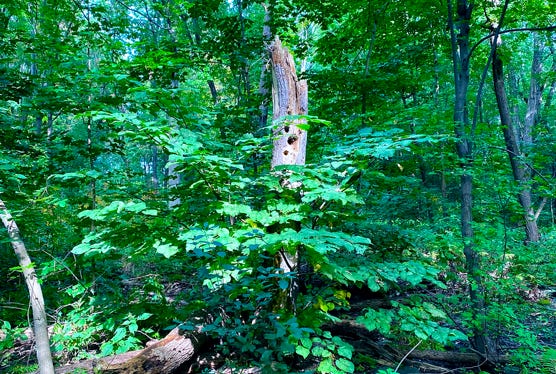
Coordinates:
458 358
165 356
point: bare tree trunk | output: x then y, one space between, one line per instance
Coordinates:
40 325
519 170
289 98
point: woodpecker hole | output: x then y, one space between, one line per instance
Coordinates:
286 153
292 139
286 128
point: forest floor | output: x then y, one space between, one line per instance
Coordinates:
372 351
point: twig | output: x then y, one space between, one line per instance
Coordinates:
478 366
407 355
535 171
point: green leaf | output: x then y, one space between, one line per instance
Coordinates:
119 334
345 350
133 327
345 365
167 250
283 284
306 342
326 366
434 311
93 174
318 351
302 351
372 283
107 349
150 212
136 207
144 316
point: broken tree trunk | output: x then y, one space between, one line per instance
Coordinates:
163 357
289 102
40 325
289 98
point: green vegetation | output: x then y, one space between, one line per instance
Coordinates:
136 140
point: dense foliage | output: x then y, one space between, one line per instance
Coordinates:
135 156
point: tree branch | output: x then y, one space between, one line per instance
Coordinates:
535 171
541 206
519 29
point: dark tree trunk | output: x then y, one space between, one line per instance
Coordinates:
519 168
459 35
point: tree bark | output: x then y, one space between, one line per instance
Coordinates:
163 357
40 325
515 154
289 98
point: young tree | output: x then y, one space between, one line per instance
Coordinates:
40 323
515 146
460 28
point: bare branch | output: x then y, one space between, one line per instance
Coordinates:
519 29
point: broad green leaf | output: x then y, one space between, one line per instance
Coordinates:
345 365
345 350
302 351
326 366
136 207
283 284
133 327
144 316
306 342
107 349
119 334
165 249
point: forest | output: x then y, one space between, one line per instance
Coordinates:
279 186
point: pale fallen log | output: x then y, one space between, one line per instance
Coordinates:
165 356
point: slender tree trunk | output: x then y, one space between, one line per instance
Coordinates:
289 97
92 157
263 84
154 175
173 183
519 170
371 29
535 96
244 73
459 35
40 324
552 89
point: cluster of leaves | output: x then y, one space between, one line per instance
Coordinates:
248 220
